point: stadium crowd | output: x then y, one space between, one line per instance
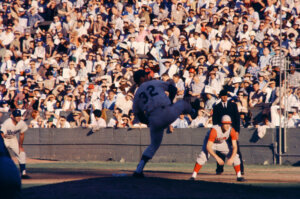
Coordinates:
79 56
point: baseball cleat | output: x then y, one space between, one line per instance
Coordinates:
25 176
240 179
138 175
219 171
192 179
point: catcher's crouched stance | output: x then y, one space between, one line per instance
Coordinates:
223 139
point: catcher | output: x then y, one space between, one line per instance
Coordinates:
224 140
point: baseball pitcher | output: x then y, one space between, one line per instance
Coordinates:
154 107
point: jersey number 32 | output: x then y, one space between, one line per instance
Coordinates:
150 92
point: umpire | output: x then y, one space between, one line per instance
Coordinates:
226 107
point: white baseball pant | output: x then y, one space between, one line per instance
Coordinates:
160 119
222 148
13 145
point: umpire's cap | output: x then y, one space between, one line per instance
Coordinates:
138 74
16 113
223 92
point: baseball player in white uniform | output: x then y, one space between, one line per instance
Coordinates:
154 107
223 139
10 128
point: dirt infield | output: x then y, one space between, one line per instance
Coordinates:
96 180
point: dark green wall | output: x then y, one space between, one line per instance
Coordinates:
181 146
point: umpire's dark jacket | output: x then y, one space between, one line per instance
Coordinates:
231 110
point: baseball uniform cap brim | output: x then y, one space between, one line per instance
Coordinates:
138 74
226 119
16 113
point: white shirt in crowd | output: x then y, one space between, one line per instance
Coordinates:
98 123
6 66
6 38
198 122
180 123
65 125
50 105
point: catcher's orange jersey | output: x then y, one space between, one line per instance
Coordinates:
217 136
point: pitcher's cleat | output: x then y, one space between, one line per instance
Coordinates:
25 176
192 179
138 175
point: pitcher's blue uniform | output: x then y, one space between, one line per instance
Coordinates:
153 106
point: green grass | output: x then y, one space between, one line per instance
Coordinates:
111 187
92 165
25 186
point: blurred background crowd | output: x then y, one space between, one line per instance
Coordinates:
68 63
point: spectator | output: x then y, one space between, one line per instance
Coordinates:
55 49
124 102
261 128
256 96
211 99
115 121
98 121
294 76
275 59
62 123
271 91
200 120
110 101
49 123
180 122
68 103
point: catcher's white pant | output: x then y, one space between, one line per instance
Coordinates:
222 148
13 145
160 119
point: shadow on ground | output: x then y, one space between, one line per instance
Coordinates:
128 187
